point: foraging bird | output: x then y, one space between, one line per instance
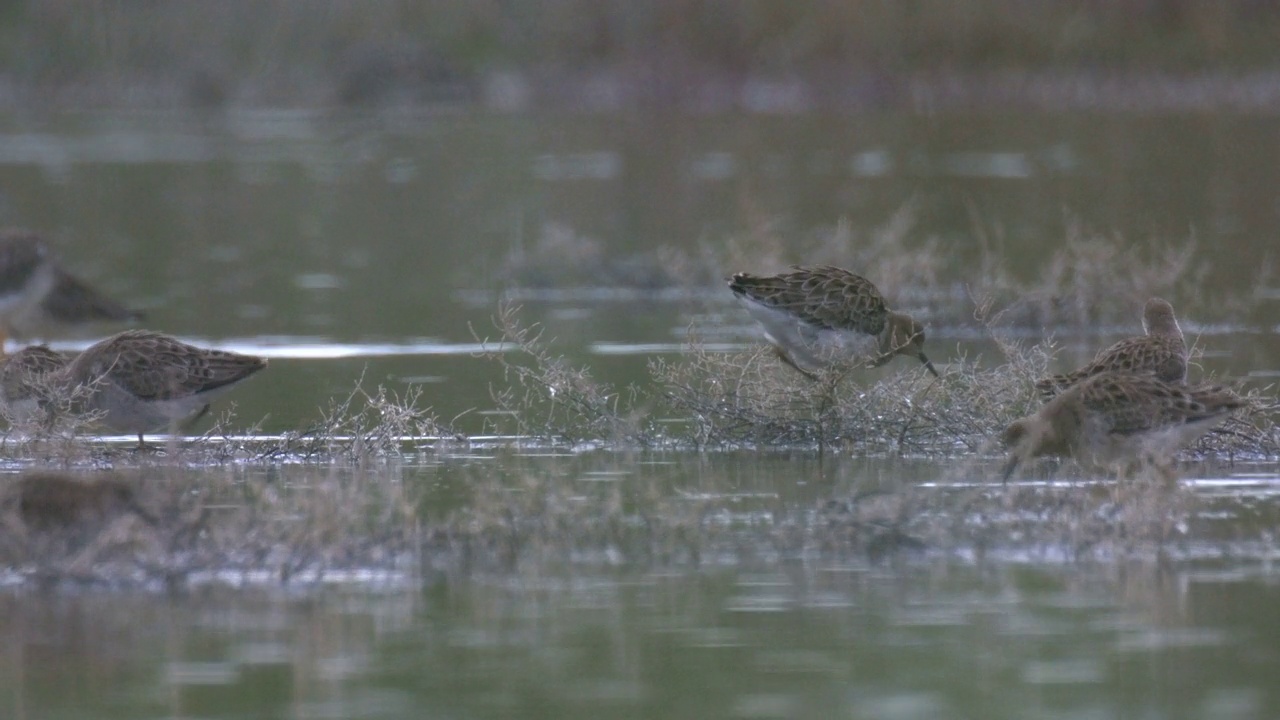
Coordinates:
1162 352
24 380
143 381
815 315
36 292
1119 418
51 501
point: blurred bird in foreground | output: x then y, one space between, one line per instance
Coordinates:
1121 419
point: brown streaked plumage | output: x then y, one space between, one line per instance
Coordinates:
51 501
143 381
1119 418
37 293
1162 352
24 380
816 315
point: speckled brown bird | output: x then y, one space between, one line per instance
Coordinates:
1162 352
1122 419
24 380
142 381
814 316
53 501
36 293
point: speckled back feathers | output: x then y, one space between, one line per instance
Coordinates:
1132 404
1162 352
821 295
1119 417
154 366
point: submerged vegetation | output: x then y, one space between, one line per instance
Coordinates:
89 511
1091 280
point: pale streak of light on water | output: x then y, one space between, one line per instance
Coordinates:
312 349
1259 483
620 348
361 578
470 442
1256 483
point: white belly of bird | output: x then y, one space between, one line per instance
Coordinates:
811 347
126 412
25 301
1160 446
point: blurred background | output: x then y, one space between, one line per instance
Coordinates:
351 186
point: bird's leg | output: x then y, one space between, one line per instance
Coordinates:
784 357
191 421
142 445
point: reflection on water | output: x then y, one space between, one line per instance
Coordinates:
377 248
360 244
765 621
938 639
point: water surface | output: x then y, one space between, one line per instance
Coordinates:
377 247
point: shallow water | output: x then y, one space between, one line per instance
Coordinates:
378 247
757 627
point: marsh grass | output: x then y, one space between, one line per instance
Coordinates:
545 522
1249 434
699 400
1090 280
49 433
551 399
363 427
705 400
1097 280
154 526
750 399
249 518
244 522
542 521
158 529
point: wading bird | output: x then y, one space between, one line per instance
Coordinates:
818 315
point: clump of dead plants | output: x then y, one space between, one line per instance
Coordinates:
749 398
721 400
363 427
1091 279
550 399
542 521
44 420
701 400
153 526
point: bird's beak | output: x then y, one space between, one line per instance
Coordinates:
928 364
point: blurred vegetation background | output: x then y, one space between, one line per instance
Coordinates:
599 54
